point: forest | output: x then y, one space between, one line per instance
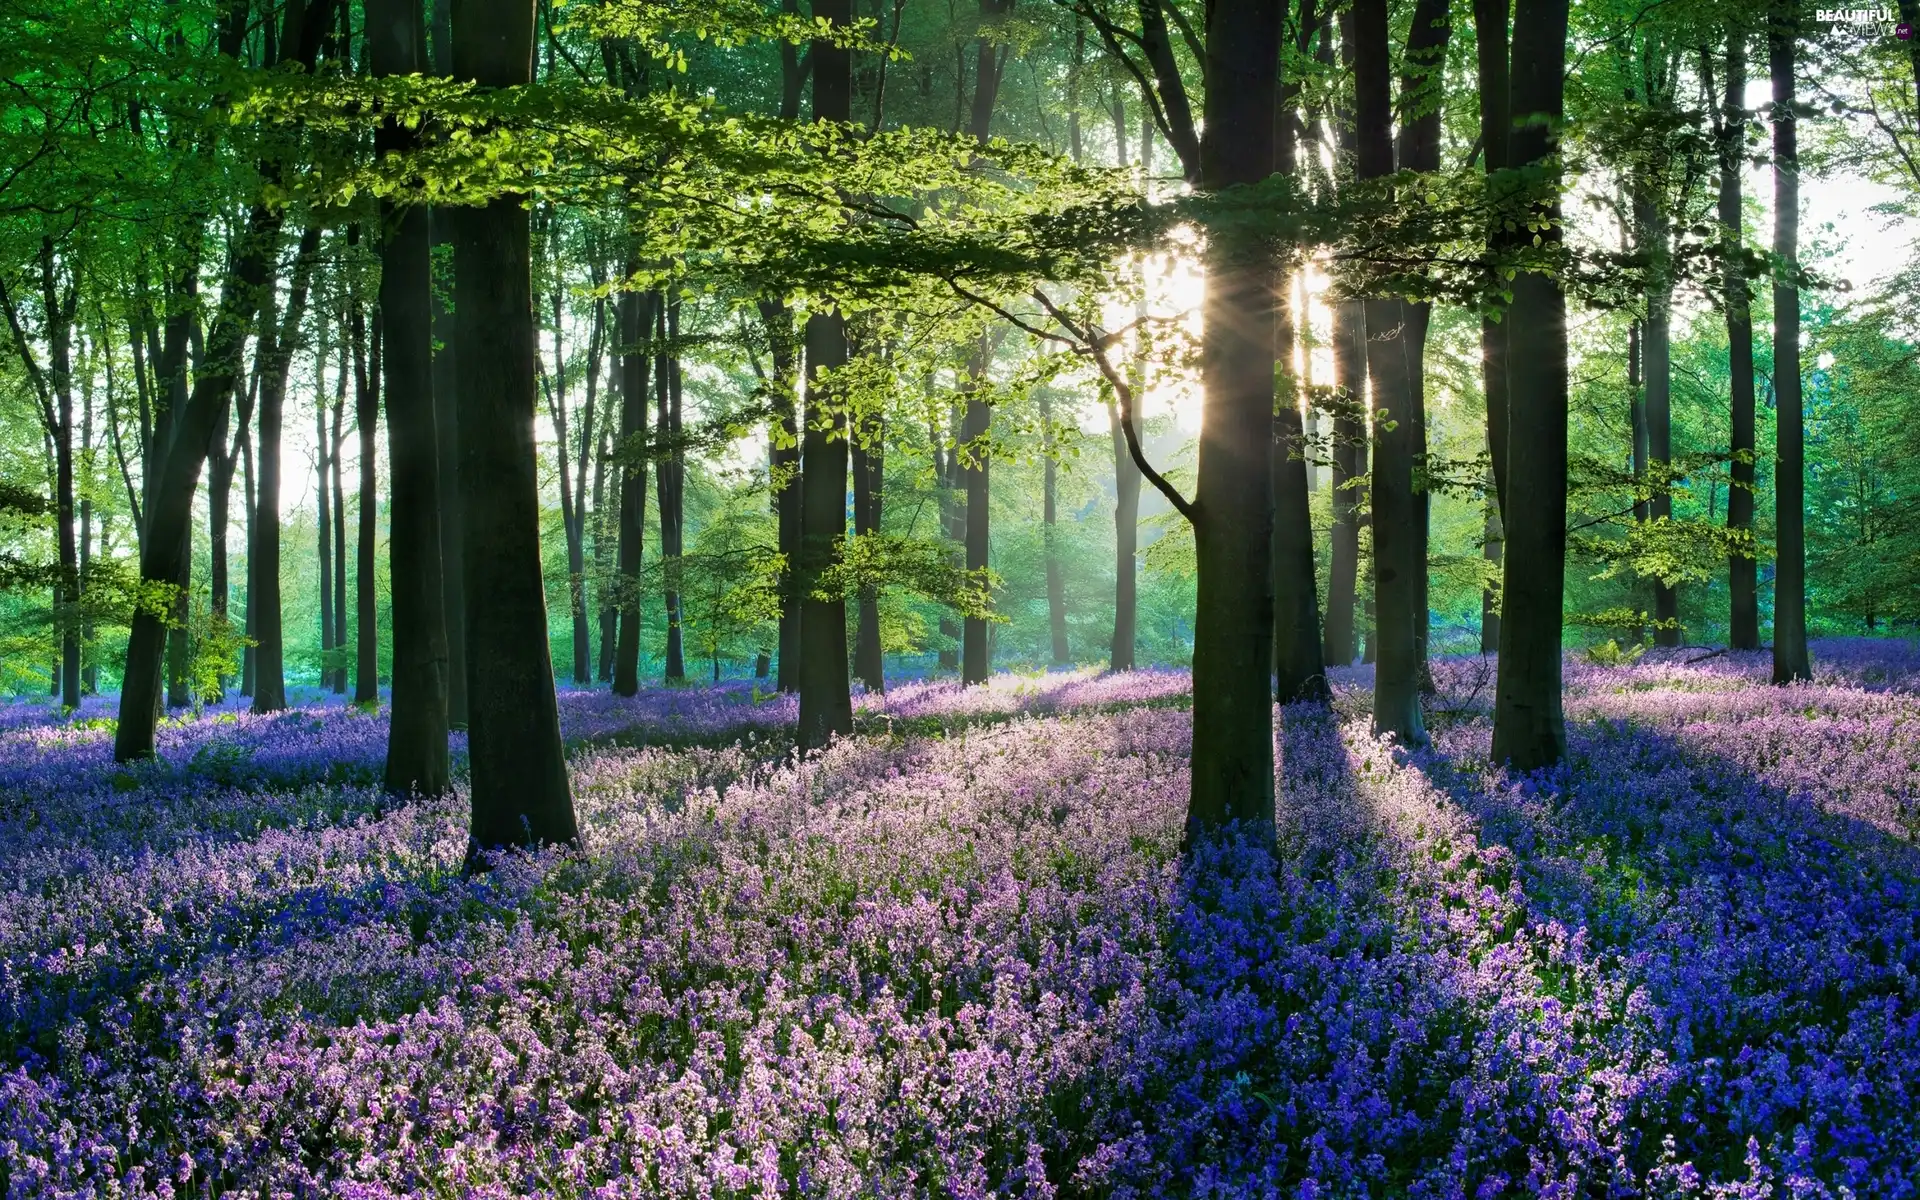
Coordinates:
998 598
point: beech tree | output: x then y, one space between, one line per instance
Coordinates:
520 792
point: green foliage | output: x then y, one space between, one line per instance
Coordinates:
1611 654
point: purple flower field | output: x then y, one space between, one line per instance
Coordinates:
961 954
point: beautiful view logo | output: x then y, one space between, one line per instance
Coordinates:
1865 16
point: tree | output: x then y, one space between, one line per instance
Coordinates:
1529 728
636 323
1491 19
173 473
273 356
521 795
670 476
368 365
826 704
1730 129
1395 339
1789 484
990 60
1298 665
1232 511
417 732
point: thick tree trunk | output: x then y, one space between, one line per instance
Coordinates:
976 647
1490 29
1789 483
446 432
976 660
1233 623
1743 626
417 732
1421 97
272 359
1393 328
520 791
1349 479
636 325
826 704
367 370
671 470
1656 346
1529 729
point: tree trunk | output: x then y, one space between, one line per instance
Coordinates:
573 496
606 532
89 671
58 390
222 457
1789 484
976 660
1492 544
1490 19
1529 729
248 665
1743 626
953 519
826 703
1126 548
1421 97
1233 547
1349 478
868 465
520 791
976 650
179 637
367 369
1656 346
1300 671
1299 668
1049 505
1393 328
446 432
636 325
417 732
670 468
324 503
357 348
272 358
784 477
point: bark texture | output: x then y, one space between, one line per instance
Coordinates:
520 792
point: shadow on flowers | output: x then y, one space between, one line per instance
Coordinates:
1737 958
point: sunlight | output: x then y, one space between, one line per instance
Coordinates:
1174 287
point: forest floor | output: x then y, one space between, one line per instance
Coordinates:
961 954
